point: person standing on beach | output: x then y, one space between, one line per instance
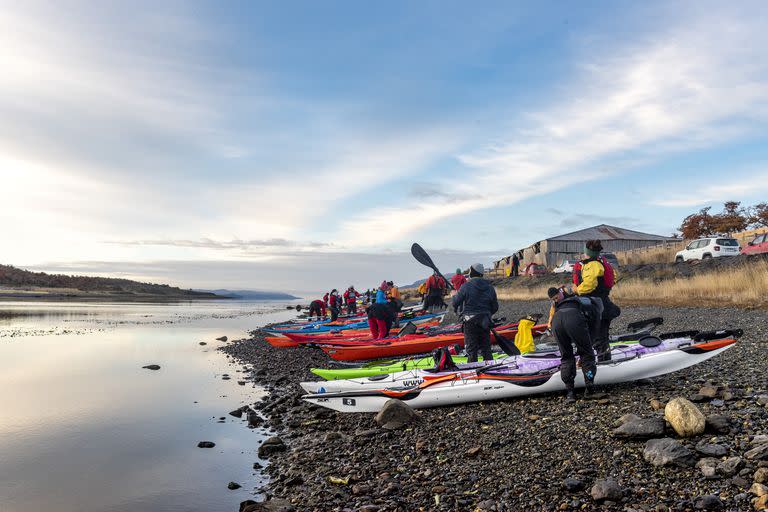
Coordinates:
515 266
381 293
325 299
457 280
476 303
434 292
350 296
334 304
594 279
571 325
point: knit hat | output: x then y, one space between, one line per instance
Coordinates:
478 267
458 271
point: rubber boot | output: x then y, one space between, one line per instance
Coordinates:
570 396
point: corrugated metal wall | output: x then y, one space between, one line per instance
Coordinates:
552 252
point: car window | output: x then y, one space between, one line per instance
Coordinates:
704 243
727 242
761 239
692 245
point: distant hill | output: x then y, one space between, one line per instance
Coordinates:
252 294
16 283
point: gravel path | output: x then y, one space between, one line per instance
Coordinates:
515 454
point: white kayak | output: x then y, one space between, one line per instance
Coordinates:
496 382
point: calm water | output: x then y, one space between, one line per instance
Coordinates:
84 428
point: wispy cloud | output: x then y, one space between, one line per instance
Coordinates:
679 88
733 187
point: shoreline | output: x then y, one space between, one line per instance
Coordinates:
511 454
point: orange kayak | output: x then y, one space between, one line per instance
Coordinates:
394 348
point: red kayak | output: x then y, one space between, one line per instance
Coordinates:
408 345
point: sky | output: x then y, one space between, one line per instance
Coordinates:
305 145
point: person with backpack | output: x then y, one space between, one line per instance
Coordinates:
573 321
594 278
476 303
350 297
435 290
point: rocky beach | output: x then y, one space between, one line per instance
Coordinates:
538 453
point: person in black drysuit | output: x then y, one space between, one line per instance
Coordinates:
476 299
515 266
574 322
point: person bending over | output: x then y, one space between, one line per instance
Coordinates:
317 308
571 325
381 315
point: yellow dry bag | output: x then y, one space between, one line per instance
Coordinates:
524 336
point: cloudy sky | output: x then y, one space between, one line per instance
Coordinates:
305 145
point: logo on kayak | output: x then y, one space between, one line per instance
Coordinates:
412 383
349 401
321 390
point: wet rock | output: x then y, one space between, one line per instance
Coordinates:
708 502
202 343
395 414
643 428
730 466
709 391
233 485
711 450
151 367
270 446
271 505
573 484
254 420
718 424
223 338
606 489
760 452
206 444
685 417
668 452
238 413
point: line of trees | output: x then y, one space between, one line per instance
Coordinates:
732 219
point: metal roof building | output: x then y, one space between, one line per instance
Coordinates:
552 251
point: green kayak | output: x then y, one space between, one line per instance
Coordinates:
392 366
383 367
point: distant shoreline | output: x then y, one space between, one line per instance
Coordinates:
46 296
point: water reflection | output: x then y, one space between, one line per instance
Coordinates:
84 427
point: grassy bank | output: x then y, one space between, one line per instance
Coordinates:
741 286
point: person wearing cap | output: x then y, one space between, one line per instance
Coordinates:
593 283
381 293
476 303
572 325
457 281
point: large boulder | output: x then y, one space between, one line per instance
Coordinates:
708 502
271 505
760 452
395 414
641 428
685 417
668 452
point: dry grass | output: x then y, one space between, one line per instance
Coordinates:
650 255
742 286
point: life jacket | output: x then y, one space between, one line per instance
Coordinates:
608 278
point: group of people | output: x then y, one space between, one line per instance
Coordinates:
383 306
580 316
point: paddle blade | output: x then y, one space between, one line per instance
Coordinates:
421 256
508 347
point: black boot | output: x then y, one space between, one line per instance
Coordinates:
570 396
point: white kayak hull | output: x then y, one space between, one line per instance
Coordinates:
469 386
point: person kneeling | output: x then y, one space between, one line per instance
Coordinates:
571 326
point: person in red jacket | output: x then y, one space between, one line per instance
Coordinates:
350 297
317 308
457 280
334 304
325 299
436 286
